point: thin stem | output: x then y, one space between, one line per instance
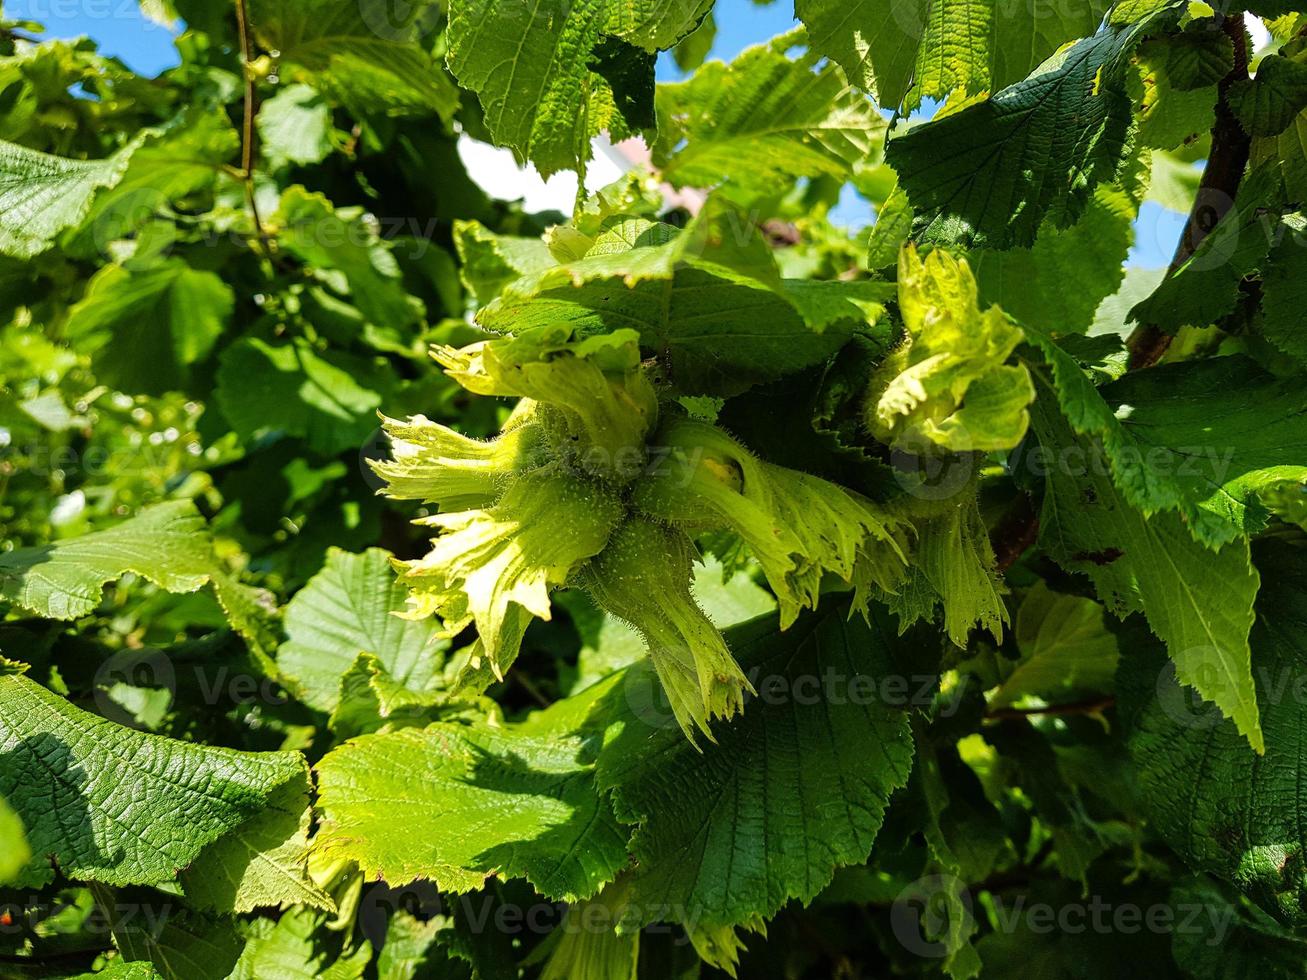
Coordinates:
1216 191
1094 706
248 134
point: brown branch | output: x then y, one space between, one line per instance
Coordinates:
1015 533
1216 193
248 134
1093 706
1216 190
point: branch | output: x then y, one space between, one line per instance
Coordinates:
1216 191
248 134
1018 531
1091 707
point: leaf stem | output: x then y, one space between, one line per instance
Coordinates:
1216 190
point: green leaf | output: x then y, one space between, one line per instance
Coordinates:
1204 438
876 48
920 49
710 300
145 328
344 248
964 834
1266 104
1219 431
1200 55
793 789
366 54
412 947
180 945
892 228
295 126
262 863
489 262
1222 807
300 946
1066 650
166 544
947 387
1173 181
349 608
70 774
1285 155
1284 296
533 68
729 596
176 165
1198 602
693 49
120 969
990 174
584 952
371 700
1240 939
953 567
1206 287
463 802
14 850
761 120
1030 285
41 195
1113 314
1169 118
330 400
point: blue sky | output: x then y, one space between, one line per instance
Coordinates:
117 25
121 31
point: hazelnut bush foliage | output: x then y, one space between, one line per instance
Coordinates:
398 583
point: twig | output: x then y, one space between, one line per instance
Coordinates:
530 688
1091 707
251 112
1015 533
1216 191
